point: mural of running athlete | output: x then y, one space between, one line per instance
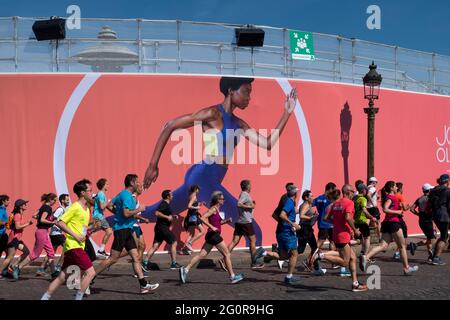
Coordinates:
209 173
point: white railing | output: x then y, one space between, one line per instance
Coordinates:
157 46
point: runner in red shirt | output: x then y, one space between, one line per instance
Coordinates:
341 214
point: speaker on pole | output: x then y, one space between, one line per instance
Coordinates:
249 37
52 29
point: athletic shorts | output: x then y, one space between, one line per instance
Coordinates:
138 231
287 241
15 243
374 212
390 227
103 223
341 245
325 234
3 244
163 233
123 238
76 257
57 240
427 228
244 229
443 229
364 229
213 238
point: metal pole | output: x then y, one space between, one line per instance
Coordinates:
433 70
178 45
353 60
371 112
15 44
285 53
139 44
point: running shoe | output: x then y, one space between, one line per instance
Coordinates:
320 272
291 280
58 268
222 265
5 272
362 263
175 265
188 246
144 273
437 261
237 277
280 264
16 273
102 255
257 265
396 256
359 288
306 265
55 274
144 266
40 272
316 255
149 287
334 266
274 247
260 252
411 270
344 272
88 291
183 274
412 248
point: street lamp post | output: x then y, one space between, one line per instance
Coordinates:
372 81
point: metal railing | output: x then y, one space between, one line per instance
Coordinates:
156 46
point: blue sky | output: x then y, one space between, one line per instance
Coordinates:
415 24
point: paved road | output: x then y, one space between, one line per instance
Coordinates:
431 282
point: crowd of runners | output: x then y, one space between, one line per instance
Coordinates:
343 216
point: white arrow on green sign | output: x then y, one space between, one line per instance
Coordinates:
302 45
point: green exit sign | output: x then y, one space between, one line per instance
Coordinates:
302 45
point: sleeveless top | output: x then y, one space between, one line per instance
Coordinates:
309 213
216 143
214 220
192 213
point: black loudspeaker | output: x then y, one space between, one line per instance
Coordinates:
249 37
50 29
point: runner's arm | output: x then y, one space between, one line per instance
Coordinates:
389 211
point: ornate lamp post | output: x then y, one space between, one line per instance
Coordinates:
372 81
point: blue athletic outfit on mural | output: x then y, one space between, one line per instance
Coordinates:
209 176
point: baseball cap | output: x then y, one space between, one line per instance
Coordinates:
292 189
427 187
20 202
444 177
373 179
361 187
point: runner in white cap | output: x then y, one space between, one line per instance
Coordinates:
372 203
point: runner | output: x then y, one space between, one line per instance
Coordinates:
372 203
139 235
362 217
308 217
42 237
15 236
425 220
123 206
341 213
440 203
57 237
74 223
214 222
100 203
4 203
209 173
162 231
192 221
390 229
244 226
325 228
405 207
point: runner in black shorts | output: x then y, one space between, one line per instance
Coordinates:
425 219
440 204
325 229
124 208
162 231
214 222
390 229
372 203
